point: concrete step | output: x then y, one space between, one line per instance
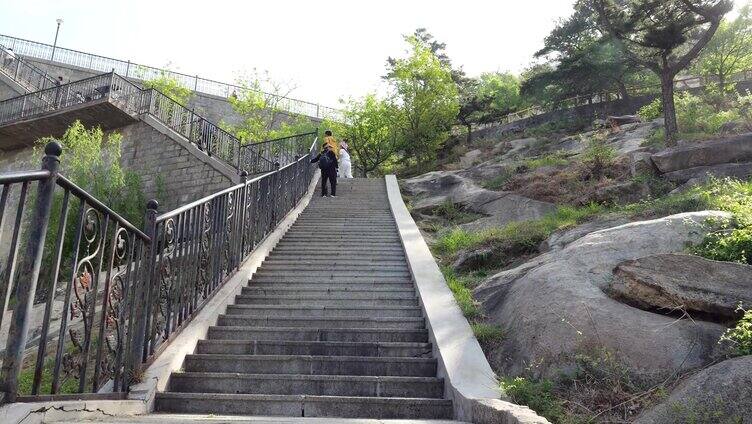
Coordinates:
341 246
322 301
350 286
311 365
361 268
358 335
318 289
363 255
314 348
296 384
328 273
345 260
321 322
203 418
300 405
271 279
324 311
406 293
299 249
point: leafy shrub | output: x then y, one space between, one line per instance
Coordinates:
730 245
487 333
651 111
598 155
170 87
741 335
538 396
498 182
694 115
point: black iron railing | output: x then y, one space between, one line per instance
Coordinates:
269 155
24 73
141 72
205 135
114 295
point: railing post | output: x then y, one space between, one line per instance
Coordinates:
18 69
29 273
241 228
195 84
141 297
127 68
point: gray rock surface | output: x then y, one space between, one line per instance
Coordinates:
719 394
559 239
554 306
703 173
708 153
435 188
520 148
696 284
471 158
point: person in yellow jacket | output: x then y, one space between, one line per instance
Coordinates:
330 141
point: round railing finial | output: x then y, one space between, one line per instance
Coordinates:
152 204
53 148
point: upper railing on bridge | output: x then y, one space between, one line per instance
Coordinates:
125 292
142 72
253 158
28 76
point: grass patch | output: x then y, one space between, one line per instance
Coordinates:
26 380
461 287
537 395
487 333
521 237
553 159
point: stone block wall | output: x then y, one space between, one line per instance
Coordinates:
170 172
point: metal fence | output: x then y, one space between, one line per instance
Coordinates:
24 73
255 158
114 295
142 72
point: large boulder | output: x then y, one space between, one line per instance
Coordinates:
471 158
708 153
508 207
436 188
694 284
520 148
561 238
632 137
703 173
554 306
719 394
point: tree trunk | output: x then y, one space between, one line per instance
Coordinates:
669 109
469 127
722 83
623 90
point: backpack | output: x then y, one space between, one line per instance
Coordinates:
325 162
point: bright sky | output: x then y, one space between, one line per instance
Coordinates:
328 49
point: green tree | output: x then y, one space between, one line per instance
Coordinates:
373 132
730 49
663 36
503 90
170 87
259 104
91 160
427 97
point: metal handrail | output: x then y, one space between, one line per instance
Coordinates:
207 136
142 72
101 207
23 72
127 292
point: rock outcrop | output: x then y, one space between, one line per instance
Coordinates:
737 149
432 190
691 283
719 394
554 305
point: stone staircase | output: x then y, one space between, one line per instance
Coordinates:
329 326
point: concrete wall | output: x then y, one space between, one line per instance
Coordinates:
168 167
6 91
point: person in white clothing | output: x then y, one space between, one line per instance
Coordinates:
345 166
